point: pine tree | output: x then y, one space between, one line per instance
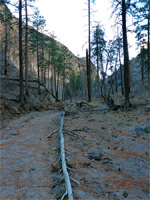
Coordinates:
6 18
38 22
26 50
20 55
89 51
122 7
98 47
141 13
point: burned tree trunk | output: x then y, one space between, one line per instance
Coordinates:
126 56
20 55
26 51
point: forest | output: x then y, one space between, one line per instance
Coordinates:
74 127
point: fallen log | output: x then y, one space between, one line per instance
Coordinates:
35 81
63 159
17 79
50 92
50 134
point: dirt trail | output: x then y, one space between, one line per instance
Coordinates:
110 159
107 156
25 159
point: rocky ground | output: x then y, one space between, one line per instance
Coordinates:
107 151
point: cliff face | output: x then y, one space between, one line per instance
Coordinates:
138 90
9 59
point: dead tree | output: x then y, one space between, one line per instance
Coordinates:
20 55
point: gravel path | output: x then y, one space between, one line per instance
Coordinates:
107 155
26 159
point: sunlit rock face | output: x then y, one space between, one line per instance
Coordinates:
12 56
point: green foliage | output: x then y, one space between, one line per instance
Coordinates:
75 82
98 45
38 20
147 130
141 15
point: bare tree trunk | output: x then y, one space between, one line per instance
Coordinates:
88 76
37 54
63 89
116 83
142 68
80 78
126 56
149 47
52 84
42 69
97 59
20 54
89 56
63 159
120 69
55 87
48 77
26 51
6 46
70 89
48 69
81 83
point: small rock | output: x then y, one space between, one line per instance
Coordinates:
86 164
122 149
91 120
107 169
125 194
86 128
12 132
103 127
146 153
32 169
106 160
119 170
96 155
142 130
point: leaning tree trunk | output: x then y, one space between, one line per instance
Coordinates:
126 56
20 55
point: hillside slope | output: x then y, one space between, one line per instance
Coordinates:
138 90
9 57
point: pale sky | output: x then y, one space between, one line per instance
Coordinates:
68 20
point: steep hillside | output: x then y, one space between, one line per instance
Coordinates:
138 90
9 61
13 38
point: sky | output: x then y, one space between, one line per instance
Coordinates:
69 22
